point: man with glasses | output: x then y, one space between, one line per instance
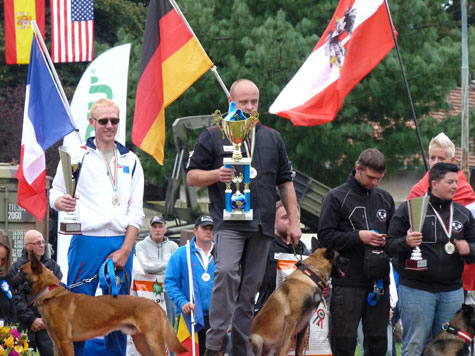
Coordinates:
27 314
109 207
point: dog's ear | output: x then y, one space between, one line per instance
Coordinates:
36 265
330 251
315 244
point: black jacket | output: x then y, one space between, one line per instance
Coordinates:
444 271
26 311
268 283
7 306
273 169
346 210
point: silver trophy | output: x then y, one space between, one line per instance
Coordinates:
71 160
417 209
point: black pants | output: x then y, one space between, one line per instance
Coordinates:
349 305
41 341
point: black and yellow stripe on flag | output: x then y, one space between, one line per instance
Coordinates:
172 60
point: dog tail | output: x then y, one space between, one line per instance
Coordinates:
172 341
257 344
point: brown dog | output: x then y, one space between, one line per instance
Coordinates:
76 317
457 335
288 310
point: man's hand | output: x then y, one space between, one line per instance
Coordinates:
294 233
372 238
38 325
462 247
120 257
187 308
413 238
66 203
224 174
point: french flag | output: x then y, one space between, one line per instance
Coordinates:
45 122
358 37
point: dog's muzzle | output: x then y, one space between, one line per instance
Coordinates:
340 267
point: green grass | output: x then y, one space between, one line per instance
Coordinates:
398 348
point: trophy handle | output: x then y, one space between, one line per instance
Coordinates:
218 120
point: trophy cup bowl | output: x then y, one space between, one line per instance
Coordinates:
71 161
236 128
417 209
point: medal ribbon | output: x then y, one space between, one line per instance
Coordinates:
253 141
202 261
448 232
112 178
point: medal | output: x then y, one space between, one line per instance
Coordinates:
253 173
449 248
205 277
115 200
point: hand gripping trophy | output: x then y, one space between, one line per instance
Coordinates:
236 127
71 161
417 209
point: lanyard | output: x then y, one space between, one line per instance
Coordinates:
448 232
112 178
253 141
203 261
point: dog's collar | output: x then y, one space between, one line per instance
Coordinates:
312 275
458 332
45 291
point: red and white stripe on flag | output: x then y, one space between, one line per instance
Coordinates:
358 37
72 30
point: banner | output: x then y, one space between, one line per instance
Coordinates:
72 30
358 37
45 122
172 60
18 30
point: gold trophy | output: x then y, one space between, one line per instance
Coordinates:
236 127
71 161
417 209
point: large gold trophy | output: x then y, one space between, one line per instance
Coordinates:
236 127
417 209
71 161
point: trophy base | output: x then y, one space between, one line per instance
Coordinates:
416 265
237 215
68 228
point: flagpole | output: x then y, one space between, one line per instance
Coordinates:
190 285
56 78
408 90
213 69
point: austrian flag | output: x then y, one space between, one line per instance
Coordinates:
358 37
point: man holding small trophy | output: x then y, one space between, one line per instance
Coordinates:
241 162
108 204
431 294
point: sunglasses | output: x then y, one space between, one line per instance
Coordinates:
104 121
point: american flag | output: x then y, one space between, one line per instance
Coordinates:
72 30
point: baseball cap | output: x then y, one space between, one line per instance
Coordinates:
204 220
158 219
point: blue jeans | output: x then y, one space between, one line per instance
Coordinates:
422 316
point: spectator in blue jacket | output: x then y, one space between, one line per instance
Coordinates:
203 267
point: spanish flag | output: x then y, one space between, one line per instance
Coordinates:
172 60
18 30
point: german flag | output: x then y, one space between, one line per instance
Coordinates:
18 30
172 60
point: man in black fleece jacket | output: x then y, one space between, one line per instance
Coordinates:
28 315
356 216
430 298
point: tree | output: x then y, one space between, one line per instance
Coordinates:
267 41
